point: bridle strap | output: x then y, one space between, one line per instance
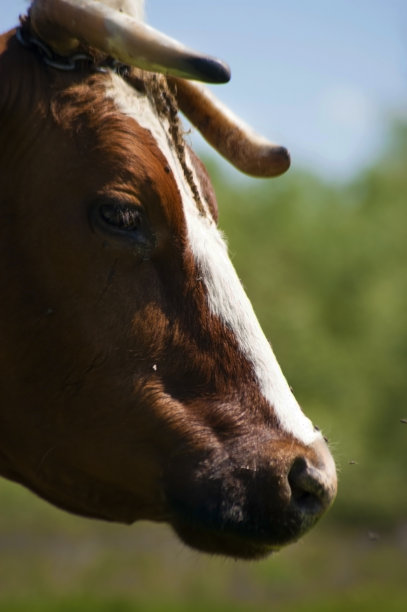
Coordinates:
72 62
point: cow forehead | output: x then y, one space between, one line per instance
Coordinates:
225 294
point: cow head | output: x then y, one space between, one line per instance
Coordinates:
136 381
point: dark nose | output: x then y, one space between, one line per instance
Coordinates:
313 483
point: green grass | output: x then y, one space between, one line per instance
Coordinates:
53 562
359 601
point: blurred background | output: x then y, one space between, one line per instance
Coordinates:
322 253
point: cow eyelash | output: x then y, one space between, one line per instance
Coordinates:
122 225
121 216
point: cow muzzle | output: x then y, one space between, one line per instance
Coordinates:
248 511
313 483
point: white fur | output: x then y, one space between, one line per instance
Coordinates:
226 297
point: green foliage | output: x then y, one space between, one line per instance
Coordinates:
326 269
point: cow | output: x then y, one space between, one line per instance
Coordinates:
136 382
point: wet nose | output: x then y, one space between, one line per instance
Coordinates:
313 483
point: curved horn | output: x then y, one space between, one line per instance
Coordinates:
232 138
64 24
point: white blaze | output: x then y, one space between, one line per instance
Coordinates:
226 297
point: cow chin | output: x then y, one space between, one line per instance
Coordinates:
233 545
227 527
239 512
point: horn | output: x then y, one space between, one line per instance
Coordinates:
135 8
65 24
233 139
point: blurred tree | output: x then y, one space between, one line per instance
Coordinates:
326 269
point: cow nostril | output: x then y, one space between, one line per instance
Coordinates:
309 493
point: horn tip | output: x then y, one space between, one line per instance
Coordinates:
284 159
210 70
271 160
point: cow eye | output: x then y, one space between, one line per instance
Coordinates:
121 216
122 224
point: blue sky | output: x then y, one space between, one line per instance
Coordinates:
323 77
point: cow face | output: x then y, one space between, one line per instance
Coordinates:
137 381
